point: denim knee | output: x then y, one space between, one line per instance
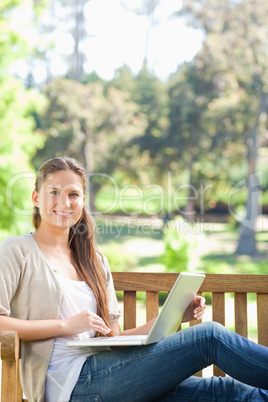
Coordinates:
211 328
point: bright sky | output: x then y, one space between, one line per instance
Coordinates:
121 39
117 37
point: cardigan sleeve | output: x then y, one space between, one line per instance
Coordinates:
12 262
113 306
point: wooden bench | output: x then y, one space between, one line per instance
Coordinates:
153 283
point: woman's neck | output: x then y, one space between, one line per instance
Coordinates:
54 238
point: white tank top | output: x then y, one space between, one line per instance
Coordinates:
66 363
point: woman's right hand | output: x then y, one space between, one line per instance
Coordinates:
29 330
85 321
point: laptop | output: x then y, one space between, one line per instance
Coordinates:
169 319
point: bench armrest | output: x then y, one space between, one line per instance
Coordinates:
10 346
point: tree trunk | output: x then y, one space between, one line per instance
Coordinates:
189 210
78 31
93 178
247 238
93 190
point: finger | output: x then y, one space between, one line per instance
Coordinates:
103 330
101 326
201 301
199 312
198 301
97 322
201 306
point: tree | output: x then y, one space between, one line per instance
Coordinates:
150 95
236 35
191 141
124 81
64 19
17 139
74 11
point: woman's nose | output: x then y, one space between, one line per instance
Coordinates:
65 201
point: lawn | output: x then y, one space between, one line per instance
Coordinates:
138 244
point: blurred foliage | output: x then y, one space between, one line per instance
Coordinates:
119 260
176 257
18 141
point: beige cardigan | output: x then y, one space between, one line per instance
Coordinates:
30 290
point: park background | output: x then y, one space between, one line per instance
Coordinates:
175 144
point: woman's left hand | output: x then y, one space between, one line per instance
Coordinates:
196 309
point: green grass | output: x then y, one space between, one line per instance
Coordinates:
133 199
124 240
262 236
232 264
122 230
124 245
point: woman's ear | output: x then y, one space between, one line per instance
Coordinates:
35 198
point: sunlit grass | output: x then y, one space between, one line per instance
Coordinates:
133 248
233 264
140 201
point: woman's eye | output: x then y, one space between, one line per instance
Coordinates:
74 195
54 192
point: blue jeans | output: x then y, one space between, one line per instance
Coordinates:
162 371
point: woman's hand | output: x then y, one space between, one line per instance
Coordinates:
196 309
85 321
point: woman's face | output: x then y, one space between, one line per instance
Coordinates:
60 199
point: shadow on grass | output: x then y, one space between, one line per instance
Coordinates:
262 237
121 233
143 261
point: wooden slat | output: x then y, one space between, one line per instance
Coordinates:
192 323
241 317
218 315
235 282
195 322
129 310
218 307
262 303
10 387
162 282
11 390
152 305
143 281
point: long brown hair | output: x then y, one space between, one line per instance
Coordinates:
85 256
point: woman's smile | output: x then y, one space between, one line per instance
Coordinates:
63 214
